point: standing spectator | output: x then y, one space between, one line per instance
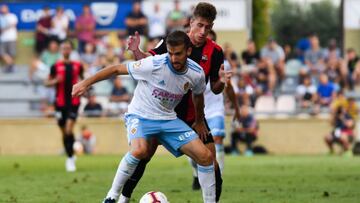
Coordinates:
63 75
119 98
85 28
136 20
157 28
315 57
245 132
301 47
93 108
250 56
8 37
42 31
59 25
89 57
176 18
351 65
274 54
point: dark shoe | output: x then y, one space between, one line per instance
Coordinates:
109 200
196 184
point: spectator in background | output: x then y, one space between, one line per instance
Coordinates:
342 133
119 98
334 72
243 91
332 50
245 131
315 57
231 56
88 140
136 21
176 18
301 47
351 66
326 91
89 57
8 37
93 108
85 28
43 26
274 55
265 77
157 28
250 56
59 25
289 54
306 93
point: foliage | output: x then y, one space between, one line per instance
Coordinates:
261 22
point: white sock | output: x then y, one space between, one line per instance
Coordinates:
126 168
220 156
207 182
194 167
123 199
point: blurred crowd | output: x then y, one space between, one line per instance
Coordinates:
319 78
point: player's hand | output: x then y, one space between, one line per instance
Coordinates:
201 129
79 89
225 76
133 42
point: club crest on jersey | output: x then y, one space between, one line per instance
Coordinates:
186 86
137 64
133 131
204 58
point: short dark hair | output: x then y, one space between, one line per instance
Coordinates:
205 10
177 38
213 33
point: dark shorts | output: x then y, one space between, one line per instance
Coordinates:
210 138
64 113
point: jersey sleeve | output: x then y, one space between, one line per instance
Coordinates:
160 48
142 69
216 61
200 85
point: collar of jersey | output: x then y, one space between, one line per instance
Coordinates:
173 69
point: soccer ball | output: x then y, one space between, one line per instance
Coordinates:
154 197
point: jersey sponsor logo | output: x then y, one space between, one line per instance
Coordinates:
186 86
164 95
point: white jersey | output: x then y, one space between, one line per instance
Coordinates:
214 103
160 87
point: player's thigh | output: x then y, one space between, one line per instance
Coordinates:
198 152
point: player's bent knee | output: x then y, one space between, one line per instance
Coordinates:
205 158
140 153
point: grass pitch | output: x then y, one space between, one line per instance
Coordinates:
278 179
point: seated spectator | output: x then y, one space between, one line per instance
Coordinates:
119 98
326 91
176 19
250 56
231 56
93 108
334 72
273 54
157 25
85 28
243 91
332 50
265 77
88 140
342 133
301 47
351 66
88 57
59 25
315 57
245 131
40 67
289 54
306 93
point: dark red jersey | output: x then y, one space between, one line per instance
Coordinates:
69 74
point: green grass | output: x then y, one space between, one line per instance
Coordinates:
277 179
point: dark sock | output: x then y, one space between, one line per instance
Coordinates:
134 179
218 181
68 144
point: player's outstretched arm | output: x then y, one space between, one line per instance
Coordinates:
133 45
224 76
199 125
81 87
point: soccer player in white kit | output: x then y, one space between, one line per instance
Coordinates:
162 81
